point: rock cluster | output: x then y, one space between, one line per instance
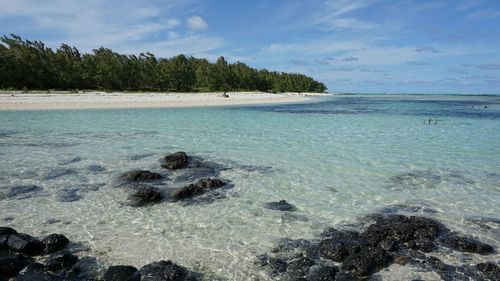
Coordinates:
19 251
390 239
144 195
26 258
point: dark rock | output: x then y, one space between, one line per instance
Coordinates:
346 276
121 273
389 244
59 173
489 270
35 271
287 244
23 191
55 242
301 264
423 244
25 244
141 175
294 217
163 271
11 264
465 244
145 195
3 241
280 206
193 174
71 161
4 236
61 260
68 194
333 249
7 230
277 266
96 168
198 188
324 273
175 161
368 261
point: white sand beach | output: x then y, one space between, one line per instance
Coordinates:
83 100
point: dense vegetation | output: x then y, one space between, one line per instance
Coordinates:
28 64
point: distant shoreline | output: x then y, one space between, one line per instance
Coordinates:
17 100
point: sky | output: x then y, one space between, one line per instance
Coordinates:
370 46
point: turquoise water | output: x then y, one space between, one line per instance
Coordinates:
337 159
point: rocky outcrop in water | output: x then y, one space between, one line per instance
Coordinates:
145 195
281 205
200 187
389 239
175 161
55 242
121 273
140 175
17 261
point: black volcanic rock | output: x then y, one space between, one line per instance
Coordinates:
121 273
281 205
11 264
489 270
7 230
465 244
197 188
25 244
145 195
140 175
164 271
55 242
35 271
389 239
61 260
175 161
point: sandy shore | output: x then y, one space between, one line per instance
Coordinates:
46 101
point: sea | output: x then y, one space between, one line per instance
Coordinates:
337 159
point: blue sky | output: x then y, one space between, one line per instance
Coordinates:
438 46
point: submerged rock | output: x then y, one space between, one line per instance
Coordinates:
145 195
141 175
7 230
11 264
95 168
25 244
121 273
23 191
175 161
35 271
61 260
54 174
489 270
55 242
281 205
389 239
165 271
197 188
465 244
68 194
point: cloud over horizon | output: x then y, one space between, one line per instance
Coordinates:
352 45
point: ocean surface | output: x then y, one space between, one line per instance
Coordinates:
337 159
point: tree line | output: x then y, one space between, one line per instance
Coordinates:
30 65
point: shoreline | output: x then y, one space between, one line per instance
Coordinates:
16 101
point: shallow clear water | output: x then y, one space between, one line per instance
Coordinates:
337 160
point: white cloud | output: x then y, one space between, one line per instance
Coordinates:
196 23
124 26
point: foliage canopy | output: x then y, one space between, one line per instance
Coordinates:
28 64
